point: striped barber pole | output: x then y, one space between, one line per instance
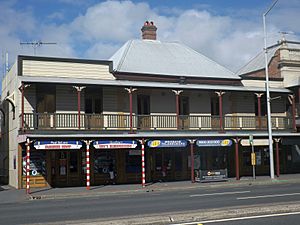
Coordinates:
143 164
88 165
28 167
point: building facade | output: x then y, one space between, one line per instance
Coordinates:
154 111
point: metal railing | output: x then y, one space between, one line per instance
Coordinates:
44 121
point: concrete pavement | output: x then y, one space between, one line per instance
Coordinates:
9 194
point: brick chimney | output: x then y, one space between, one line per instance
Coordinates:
149 31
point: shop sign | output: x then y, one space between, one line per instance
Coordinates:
114 144
212 175
46 145
167 143
255 142
214 143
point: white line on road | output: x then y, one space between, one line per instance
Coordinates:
239 218
220 193
267 196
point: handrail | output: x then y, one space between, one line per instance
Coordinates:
46 121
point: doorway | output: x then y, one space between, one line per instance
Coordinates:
143 111
66 168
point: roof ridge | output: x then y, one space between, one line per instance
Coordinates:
124 54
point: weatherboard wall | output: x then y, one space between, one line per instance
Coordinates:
65 69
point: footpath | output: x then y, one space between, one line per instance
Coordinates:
11 195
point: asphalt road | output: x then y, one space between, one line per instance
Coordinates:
138 204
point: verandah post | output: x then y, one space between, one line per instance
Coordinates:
220 94
237 164
192 160
277 156
143 163
79 89
27 166
130 91
88 177
177 93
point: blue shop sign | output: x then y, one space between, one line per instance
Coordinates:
114 144
214 143
167 143
57 145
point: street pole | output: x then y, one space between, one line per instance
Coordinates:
268 94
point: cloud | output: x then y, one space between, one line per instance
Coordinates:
111 21
230 39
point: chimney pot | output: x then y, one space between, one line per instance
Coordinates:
149 31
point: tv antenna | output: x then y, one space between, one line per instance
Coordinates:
36 44
284 33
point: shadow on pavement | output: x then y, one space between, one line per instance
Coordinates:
98 187
41 190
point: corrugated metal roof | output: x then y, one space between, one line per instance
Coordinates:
258 62
137 84
166 58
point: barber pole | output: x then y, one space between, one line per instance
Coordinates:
88 165
28 167
143 164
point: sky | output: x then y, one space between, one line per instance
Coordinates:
229 32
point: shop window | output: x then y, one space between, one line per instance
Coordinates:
73 162
158 160
133 163
37 163
247 157
102 161
296 154
178 160
167 161
266 156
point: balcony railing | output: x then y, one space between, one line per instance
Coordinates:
46 121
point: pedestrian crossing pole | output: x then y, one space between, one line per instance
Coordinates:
143 164
27 166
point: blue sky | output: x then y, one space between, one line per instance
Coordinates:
228 31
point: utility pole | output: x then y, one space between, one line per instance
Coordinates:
268 93
36 44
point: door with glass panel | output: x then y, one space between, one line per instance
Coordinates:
66 168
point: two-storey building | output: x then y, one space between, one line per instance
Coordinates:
154 111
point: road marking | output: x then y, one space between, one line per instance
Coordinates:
239 218
267 196
220 193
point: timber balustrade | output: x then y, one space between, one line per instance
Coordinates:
47 121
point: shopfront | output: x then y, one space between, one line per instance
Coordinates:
167 160
122 156
262 157
291 155
54 163
211 159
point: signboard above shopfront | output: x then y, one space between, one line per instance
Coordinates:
167 143
214 143
47 145
255 142
114 144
